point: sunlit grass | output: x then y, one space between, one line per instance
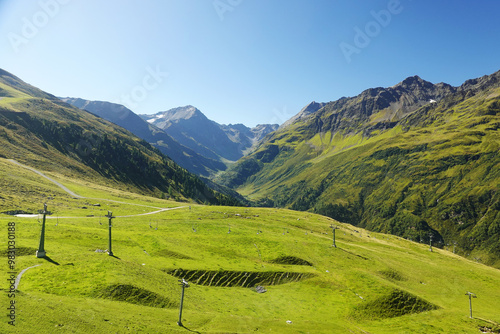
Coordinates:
67 293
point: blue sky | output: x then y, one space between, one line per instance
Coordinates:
243 61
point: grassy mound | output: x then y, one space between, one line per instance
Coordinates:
393 275
292 260
171 254
134 295
394 304
242 279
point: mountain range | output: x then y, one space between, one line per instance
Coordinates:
417 159
184 134
190 127
40 130
126 118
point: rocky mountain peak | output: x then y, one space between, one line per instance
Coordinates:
354 113
412 83
312 107
186 112
191 128
304 112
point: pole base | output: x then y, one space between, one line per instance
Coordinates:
40 253
110 253
180 324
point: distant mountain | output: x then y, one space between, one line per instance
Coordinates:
124 117
225 143
415 159
39 130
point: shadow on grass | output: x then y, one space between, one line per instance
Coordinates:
188 329
116 257
360 256
46 258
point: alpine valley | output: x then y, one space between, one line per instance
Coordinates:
369 214
418 160
185 134
39 129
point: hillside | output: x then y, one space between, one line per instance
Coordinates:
225 143
414 160
41 131
127 119
248 269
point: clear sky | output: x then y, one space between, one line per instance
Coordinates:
243 61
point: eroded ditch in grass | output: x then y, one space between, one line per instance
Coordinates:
292 260
244 279
171 254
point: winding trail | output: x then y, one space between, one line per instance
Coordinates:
18 278
74 195
48 178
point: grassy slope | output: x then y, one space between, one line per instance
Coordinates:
439 166
41 131
64 297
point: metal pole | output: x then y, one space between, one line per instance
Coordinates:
334 245
333 231
184 284
470 306
471 295
41 247
110 217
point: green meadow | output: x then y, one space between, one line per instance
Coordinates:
249 269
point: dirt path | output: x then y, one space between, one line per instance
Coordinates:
18 278
48 178
74 195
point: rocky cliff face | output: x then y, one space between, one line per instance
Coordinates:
373 109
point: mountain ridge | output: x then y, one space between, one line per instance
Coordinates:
413 159
225 143
126 118
42 130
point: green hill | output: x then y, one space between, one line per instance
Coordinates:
413 160
40 130
249 269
